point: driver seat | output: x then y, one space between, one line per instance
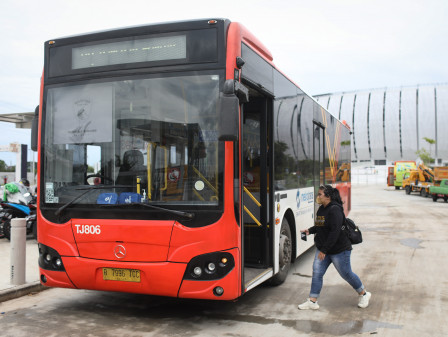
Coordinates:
131 168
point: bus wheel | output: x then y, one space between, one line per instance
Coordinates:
285 252
408 189
434 197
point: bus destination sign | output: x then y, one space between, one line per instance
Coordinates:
130 51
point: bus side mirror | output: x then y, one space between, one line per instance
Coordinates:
232 95
35 129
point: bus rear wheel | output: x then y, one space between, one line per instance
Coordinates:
408 189
285 252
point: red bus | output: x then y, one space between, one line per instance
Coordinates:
176 160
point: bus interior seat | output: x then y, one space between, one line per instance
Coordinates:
131 168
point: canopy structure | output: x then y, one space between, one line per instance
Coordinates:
22 120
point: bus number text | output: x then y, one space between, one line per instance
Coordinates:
88 229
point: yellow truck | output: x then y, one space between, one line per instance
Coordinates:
396 173
418 180
421 179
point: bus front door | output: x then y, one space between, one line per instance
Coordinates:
256 197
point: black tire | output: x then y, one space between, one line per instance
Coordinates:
285 252
434 197
423 193
397 187
7 229
445 198
408 189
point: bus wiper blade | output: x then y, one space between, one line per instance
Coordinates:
187 215
89 188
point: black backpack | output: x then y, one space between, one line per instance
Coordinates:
352 231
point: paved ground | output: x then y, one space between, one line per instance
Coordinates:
402 262
7 290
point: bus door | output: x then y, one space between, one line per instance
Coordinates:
256 197
319 159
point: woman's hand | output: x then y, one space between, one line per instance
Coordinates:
321 256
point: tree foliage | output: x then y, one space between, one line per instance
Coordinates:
425 156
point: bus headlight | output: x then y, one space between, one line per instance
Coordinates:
216 266
49 258
197 271
211 267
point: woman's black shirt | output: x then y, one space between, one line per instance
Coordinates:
328 237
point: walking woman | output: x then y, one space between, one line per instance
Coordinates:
333 246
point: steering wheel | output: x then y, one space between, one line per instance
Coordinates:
98 175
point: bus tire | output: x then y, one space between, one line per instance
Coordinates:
434 197
285 252
408 189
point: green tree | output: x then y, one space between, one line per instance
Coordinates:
431 142
3 166
425 156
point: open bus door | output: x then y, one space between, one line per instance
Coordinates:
256 191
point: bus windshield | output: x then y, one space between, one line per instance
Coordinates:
145 140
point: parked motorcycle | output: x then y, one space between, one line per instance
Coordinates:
19 204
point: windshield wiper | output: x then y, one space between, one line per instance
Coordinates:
187 215
89 188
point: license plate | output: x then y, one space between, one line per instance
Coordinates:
116 274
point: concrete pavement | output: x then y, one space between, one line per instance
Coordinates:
9 291
401 261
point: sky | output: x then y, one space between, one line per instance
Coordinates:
324 46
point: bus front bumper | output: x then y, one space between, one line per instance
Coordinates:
155 278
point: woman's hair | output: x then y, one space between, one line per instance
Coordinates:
331 193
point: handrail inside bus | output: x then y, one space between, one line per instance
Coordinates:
166 168
148 159
252 196
149 166
252 216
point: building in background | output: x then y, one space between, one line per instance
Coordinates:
391 124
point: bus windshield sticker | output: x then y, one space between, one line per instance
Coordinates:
84 114
49 193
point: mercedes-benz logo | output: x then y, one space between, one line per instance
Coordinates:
120 252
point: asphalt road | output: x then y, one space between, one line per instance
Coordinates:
402 261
